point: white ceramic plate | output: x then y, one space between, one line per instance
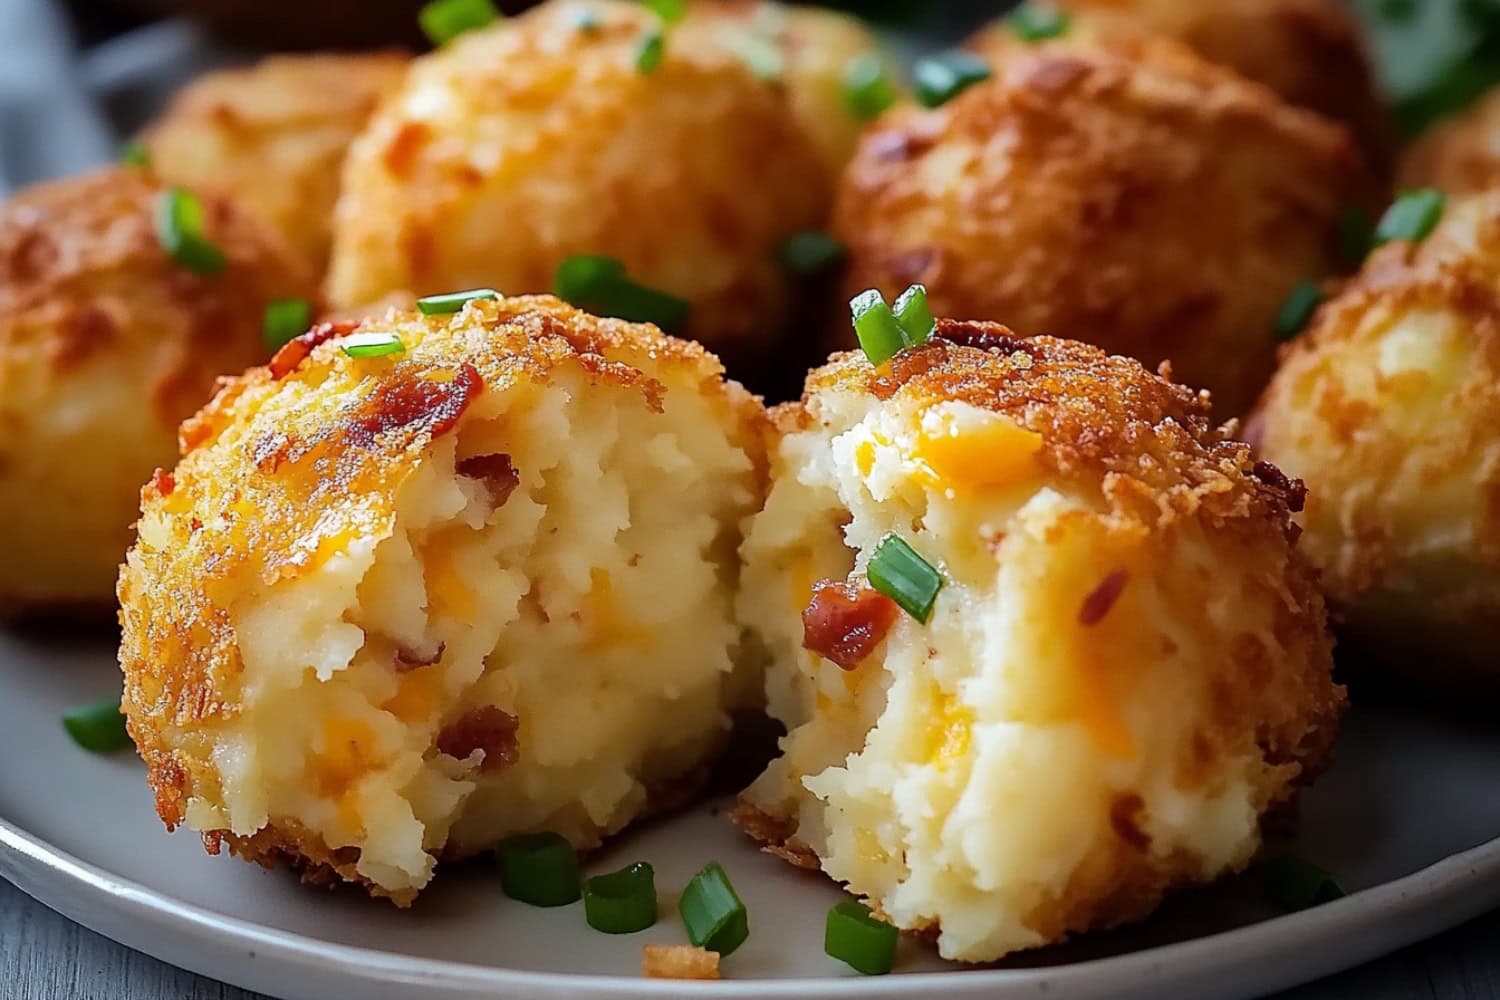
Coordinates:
1408 817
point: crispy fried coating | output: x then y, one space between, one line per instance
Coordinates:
1137 198
1459 155
106 344
272 136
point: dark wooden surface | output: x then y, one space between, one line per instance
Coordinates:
45 957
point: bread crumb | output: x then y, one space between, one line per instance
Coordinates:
679 961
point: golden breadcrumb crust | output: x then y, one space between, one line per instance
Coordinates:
1458 155
1129 195
106 344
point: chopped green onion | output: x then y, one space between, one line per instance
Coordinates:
670 11
868 90
1037 21
1412 217
540 869
1295 884
941 78
376 344
905 577
135 154
621 902
179 230
880 335
442 305
810 253
854 936
284 320
915 316
444 20
650 50
712 912
761 55
1356 232
98 727
600 285
1297 310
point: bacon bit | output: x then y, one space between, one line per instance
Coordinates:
488 730
1102 599
1294 491
163 482
496 472
678 961
84 329
844 623
405 145
983 336
296 350
911 266
1125 818
213 842
406 400
408 660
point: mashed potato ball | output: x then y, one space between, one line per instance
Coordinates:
1125 668
1460 155
394 608
1132 196
1390 406
526 143
1311 52
106 344
273 137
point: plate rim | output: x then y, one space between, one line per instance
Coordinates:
1408 904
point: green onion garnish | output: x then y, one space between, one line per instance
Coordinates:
650 50
915 316
905 577
135 154
880 335
540 869
1037 21
600 285
1297 310
1413 215
98 727
670 11
868 90
376 344
939 79
284 320
621 902
855 937
444 20
1295 884
442 305
179 230
1356 232
810 253
712 912
761 55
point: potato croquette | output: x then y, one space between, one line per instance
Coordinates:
523 144
390 609
106 344
273 137
1133 196
1125 668
1310 52
1390 405
1460 155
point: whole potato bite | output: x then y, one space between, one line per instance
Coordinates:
1460 155
1390 406
535 140
1129 195
1310 52
1125 668
106 343
396 606
273 136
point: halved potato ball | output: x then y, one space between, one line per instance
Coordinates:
1390 406
1125 668
1132 195
1460 155
106 343
396 606
273 137
523 144
1310 52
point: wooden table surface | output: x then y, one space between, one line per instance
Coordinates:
46 957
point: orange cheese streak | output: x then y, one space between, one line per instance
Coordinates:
994 452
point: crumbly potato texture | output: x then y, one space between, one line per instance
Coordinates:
1126 668
393 609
